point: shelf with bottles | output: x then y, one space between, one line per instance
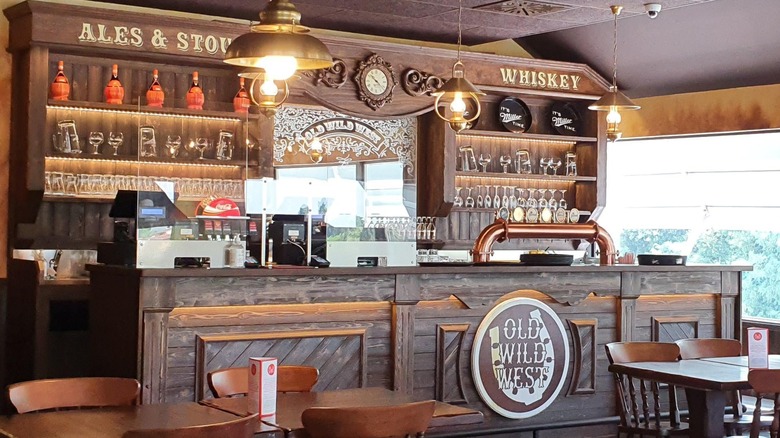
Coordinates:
143 110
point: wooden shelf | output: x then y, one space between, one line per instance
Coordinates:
526 136
107 199
207 162
525 176
493 210
134 110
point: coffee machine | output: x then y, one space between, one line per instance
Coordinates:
292 243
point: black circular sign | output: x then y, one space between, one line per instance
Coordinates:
514 115
565 119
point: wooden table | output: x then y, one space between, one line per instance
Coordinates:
113 422
290 406
706 382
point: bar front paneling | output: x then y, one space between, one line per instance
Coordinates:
408 329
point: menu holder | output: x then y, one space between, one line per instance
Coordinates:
758 347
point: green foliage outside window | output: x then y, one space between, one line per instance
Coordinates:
760 288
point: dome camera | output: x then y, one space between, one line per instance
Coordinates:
652 9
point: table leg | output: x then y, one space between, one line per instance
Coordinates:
706 409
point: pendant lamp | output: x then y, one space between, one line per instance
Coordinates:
455 90
279 45
614 100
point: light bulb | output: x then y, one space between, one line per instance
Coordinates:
269 88
278 67
613 116
457 105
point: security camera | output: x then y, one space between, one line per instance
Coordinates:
652 9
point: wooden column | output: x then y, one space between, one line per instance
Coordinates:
407 295
730 318
157 302
629 292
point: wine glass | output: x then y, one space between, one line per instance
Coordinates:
520 199
480 200
505 160
96 139
458 202
512 198
201 144
484 160
553 203
554 164
505 199
531 201
562 203
544 163
496 199
172 143
115 140
542 198
488 199
469 199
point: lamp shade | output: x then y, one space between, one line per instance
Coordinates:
247 50
613 98
457 85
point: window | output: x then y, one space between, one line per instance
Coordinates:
713 198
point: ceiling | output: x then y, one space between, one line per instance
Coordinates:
693 45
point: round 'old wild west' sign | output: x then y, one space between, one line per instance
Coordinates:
520 357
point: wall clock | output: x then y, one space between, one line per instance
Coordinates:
375 81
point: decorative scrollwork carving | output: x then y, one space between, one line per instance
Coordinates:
335 76
417 83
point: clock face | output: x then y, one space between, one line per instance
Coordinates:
376 82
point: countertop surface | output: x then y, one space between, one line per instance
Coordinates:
410 270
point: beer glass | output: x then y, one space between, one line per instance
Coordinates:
147 142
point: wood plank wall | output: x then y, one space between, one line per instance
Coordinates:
350 326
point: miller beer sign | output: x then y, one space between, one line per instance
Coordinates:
520 357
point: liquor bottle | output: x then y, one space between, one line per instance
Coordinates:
235 254
155 96
195 97
241 102
114 92
60 88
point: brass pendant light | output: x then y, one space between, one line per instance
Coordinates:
279 45
614 100
455 90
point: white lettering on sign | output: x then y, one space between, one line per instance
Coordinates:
134 36
540 79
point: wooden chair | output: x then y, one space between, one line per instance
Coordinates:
231 382
243 427
766 384
406 420
698 348
638 415
73 393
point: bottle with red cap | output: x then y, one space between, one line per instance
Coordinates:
60 88
195 97
241 102
155 96
114 92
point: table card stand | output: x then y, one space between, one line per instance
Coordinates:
758 347
263 372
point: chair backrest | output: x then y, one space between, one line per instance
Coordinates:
243 427
637 413
73 393
410 419
230 382
626 352
766 384
697 348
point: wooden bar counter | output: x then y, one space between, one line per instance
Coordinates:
407 329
